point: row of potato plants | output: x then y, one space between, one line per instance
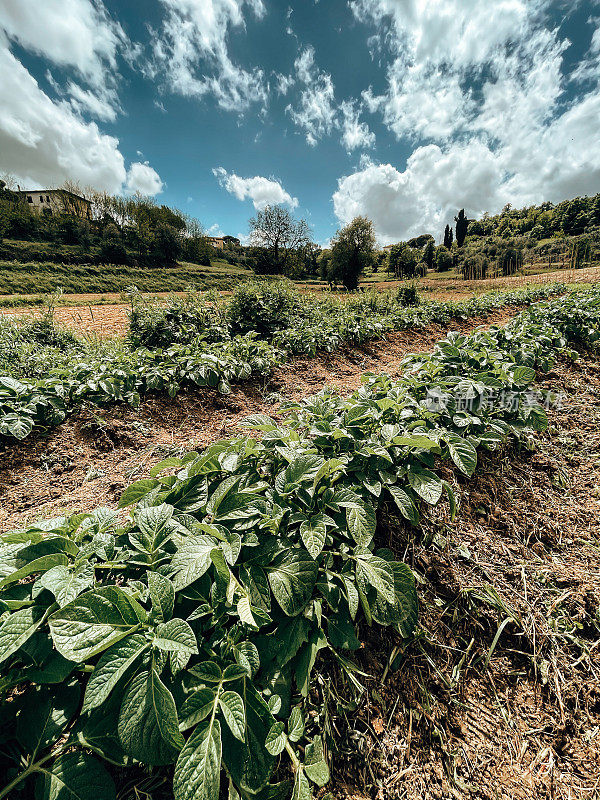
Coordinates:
185 633
66 376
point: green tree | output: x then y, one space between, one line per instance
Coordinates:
475 267
419 242
403 260
324 261
443 259
262 261
429 253
462 224
195 245
352 251
448 237
275 229
165 246
112 250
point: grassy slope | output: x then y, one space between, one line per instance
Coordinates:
39 278
23 278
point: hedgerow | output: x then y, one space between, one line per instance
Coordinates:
188 637
67 375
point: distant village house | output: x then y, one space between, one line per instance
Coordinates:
56 201
220 242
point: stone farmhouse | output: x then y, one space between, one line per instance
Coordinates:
56 201
220 242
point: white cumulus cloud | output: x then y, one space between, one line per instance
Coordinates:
45 142
192 51
458 32
262 191
144 179
551 162
72 33
315 113
479 89
355 134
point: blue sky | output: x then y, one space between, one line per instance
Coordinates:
403 110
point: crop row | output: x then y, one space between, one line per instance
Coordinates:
194 637
49 374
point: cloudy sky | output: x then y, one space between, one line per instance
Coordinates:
404 110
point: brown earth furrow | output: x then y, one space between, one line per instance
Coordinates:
88 460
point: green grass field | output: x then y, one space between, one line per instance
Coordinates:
42 278
26 282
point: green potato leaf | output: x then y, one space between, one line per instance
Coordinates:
148 725
198 769
292 577
111 667
75 776
94 621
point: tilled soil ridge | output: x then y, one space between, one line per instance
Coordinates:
88 460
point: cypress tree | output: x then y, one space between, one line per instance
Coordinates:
462 223
448 236
429 253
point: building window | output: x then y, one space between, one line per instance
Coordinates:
29 198
41 198
47 199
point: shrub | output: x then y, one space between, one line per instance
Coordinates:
113 252
264 307
44 331
179 321
443 259
407 295
262 261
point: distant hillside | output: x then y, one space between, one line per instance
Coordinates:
569 218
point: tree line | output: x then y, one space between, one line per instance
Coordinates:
282 245
121 230
136 230
575 217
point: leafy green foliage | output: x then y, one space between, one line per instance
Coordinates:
194 629
402 261
209 355
155 323
352 251
570 218
263 307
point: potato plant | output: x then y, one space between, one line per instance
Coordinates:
109 374
185 637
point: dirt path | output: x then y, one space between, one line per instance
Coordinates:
91 320
87 461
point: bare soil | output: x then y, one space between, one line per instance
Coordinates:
105 321
88 460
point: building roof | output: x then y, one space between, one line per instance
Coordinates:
53 191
